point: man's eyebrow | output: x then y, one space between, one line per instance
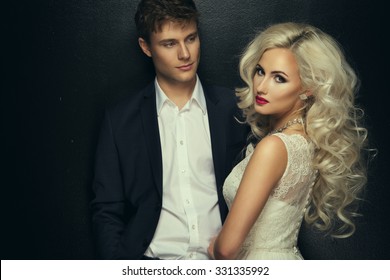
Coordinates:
167 40
193 34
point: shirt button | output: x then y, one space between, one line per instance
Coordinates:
193 226
183 171
181 142
187 201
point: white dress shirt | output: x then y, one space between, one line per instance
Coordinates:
190 214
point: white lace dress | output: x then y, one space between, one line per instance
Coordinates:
275 233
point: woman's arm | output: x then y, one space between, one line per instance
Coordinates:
264 170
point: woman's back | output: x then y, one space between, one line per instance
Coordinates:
274 234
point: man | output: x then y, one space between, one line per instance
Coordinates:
164 152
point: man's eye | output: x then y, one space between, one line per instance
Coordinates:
169 44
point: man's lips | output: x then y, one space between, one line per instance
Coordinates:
186 67
261 101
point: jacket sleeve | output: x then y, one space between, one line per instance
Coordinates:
108 207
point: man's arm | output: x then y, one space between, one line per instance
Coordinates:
108 206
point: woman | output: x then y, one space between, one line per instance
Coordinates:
306 157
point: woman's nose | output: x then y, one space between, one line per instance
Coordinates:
261 86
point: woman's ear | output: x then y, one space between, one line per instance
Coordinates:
144 47
306 94
303 96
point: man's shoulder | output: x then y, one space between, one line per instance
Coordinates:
132 99
218 89
221 95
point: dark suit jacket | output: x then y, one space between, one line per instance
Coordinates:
128 168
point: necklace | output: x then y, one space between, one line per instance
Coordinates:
289 123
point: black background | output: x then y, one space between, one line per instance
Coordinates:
64 61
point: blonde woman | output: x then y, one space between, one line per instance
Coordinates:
306 158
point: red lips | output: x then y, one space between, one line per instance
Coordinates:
261 100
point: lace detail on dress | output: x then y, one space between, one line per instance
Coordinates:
275 232
298 164
236 175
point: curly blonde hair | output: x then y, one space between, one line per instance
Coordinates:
330 116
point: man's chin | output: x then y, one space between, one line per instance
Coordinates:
188 78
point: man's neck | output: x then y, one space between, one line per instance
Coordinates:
178 93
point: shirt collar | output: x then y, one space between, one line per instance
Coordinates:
197 96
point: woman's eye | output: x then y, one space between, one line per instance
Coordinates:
259 71
280 79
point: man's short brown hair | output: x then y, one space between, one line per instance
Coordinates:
151 14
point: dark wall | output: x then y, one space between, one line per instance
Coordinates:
66 60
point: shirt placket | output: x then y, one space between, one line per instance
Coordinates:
185 184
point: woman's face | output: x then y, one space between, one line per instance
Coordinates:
277 85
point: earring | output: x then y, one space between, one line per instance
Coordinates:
303 96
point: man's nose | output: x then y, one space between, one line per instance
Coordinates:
184 53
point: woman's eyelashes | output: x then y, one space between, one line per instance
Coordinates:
280 79
259 70
277 77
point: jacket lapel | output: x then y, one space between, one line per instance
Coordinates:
217 131
152 135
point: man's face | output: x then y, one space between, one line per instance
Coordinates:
175 51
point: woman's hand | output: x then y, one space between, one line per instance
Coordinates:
210 249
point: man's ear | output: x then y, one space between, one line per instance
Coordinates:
144 47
